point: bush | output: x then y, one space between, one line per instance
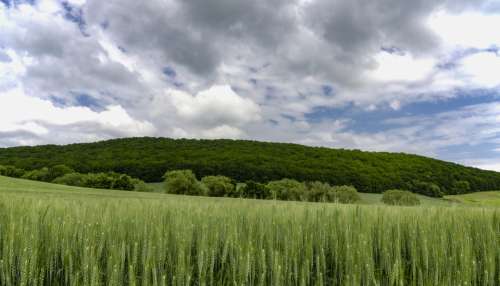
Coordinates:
37 175
345 194
109 180
71 179
287 190
141 186
318 191
400 198
182 182
58 171
460 187
254 190
425 188
11 171
218 186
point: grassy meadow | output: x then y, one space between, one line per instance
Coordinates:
59 235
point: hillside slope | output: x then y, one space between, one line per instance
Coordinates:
148 159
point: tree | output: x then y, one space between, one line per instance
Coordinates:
287 190
182 182
346 194
71 179
400 198
11 171
425 188
58 171
218 186
460 187
37 175
318 191
254 190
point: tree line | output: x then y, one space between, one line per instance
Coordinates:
149 158
184 182
64 175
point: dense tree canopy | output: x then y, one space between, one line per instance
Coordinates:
150 158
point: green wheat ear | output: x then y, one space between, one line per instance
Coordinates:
175 240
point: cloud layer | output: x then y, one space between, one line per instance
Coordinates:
414 76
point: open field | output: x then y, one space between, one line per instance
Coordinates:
57 235
478 199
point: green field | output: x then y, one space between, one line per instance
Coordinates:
59 235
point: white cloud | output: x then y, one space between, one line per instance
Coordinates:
466 30
482 69
215 106
19 112
401 67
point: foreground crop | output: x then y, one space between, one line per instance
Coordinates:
57 240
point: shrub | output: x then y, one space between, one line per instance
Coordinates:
182 182
400 198
71 179
254 190
460 187
345 194
287 190
37 175
425 188
141 186
58 171
218 186
318 191
11 171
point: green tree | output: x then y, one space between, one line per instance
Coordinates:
11 171
182 182
461 187
254 190
71 179
425 188
400 198
318 191
58 171
287 190
346 194
218 186
37 175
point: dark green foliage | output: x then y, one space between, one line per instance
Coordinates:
108 180
141 186
71 179
345 194
58 171
425 188
400 198
323 192
218 186
150 158
460 187
182 182
254 190
288 190
11 171
319 192
37 175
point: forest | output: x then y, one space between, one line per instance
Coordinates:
149 158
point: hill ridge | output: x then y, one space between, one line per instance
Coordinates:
149 157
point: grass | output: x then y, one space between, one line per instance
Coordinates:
478 199
58 235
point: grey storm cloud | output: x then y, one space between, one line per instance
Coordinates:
271 56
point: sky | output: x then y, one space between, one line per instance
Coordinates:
420 76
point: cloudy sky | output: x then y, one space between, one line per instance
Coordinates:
419 76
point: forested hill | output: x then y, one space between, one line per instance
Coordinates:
149 158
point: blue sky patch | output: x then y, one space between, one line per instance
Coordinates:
169 72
